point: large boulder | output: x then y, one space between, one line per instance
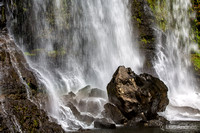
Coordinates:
137 95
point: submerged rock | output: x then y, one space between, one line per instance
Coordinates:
137 95
91 105
84 118
95 92
103 123
88 91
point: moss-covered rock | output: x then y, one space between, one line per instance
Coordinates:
19 88
143 19
29 117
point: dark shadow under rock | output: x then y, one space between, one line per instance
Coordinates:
111 111
104 124
84 118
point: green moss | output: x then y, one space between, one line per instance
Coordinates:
35 123
29 54
3 17
25 9
145 41
158 7
54 53
196 60
139 20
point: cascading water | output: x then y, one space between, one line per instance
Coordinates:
173 64
76 46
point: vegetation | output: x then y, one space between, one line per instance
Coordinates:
196 61
159 10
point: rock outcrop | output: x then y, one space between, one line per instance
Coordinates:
19 90
138 97
143 19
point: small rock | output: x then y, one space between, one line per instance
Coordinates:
97 93
85 118
91 105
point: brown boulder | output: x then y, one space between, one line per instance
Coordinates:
137 94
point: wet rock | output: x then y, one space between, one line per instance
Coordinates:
25 116
2 15
111 111
97 93
85 118
158 122
16 76
91 105
88 91
19 83
70 97
3 126
104 124
132 123
144 19
83 93
137 94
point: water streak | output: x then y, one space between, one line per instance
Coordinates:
76 43
173 64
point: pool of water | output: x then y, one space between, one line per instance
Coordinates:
173 127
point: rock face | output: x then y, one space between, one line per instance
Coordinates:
19 84
2 15
137 95
143 18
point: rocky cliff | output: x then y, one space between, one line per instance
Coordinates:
20 93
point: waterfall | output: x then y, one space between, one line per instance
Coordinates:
173 64
74 43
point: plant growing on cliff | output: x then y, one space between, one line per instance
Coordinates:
158 8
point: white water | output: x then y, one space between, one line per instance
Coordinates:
98 40
173 64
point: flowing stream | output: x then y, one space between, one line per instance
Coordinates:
173 64
77 43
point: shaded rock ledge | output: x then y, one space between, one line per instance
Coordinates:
136 98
